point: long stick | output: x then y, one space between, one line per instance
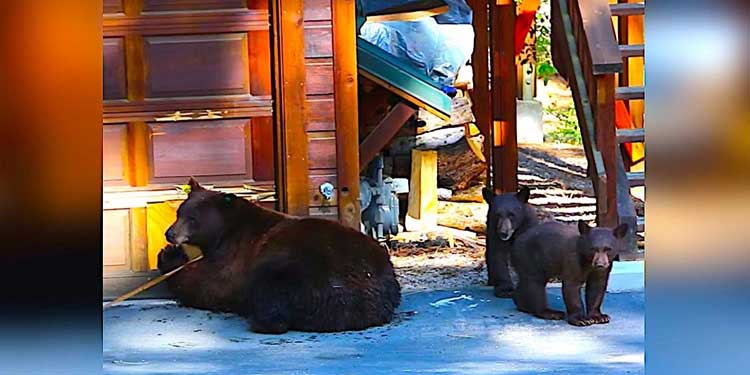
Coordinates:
150 283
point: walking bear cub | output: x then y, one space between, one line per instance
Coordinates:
575 256
509 215
279 272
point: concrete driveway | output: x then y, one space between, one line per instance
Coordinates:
464 331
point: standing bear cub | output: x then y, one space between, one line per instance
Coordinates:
279 272
509 215
575 256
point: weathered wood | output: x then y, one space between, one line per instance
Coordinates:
289 79
422 209
596 20
604 112
504 147
458 166
427 141
627 9
383 133
630 93
631 135
346 107
631 50
481 98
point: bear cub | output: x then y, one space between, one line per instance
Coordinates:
509 215
576 256
279 272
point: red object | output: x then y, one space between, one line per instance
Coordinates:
524 20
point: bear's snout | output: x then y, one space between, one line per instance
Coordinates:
505 229
170 235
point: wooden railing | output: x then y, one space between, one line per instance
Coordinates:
585 52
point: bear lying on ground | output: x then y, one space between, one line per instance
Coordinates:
279 272
576 257
508 216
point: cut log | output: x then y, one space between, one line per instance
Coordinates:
423 200
427 141
458 166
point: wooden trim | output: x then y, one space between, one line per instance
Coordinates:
346 104
156 24
138 240
505 150
289 84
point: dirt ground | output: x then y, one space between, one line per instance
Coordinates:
560 190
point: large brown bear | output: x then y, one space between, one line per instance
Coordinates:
280 272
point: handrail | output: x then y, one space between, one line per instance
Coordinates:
600 35
583 93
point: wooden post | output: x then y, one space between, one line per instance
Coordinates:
423 200
346 105
504 147
607 143
292 179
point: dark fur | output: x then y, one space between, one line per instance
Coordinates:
576 256
508 214
280 272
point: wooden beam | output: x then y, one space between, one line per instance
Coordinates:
383 133
606 141
423 200
346 110
292 177
504 147
481 98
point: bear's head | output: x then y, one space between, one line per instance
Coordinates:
201 218
601 245
507 212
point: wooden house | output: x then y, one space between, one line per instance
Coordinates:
262 95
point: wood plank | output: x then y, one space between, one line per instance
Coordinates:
630 93
318 10
135 67
637 178
191 5
627 9
631 135
259 45
322 150
504 154
138 239
632 50
320 113
383 133
346 104
319 76
138 145
604 112
166 23
423 201
599 32
262 149
318 178
318 39
288 51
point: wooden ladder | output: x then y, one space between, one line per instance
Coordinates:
586 52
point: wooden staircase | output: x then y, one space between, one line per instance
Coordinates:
586 51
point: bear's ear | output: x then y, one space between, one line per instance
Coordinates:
620 231
229 197
487 194
523 194
583 227
194 185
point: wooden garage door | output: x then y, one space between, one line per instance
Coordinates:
187 92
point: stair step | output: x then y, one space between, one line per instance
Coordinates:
628 9
641 224
631 135
630 93
632 50
636 178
